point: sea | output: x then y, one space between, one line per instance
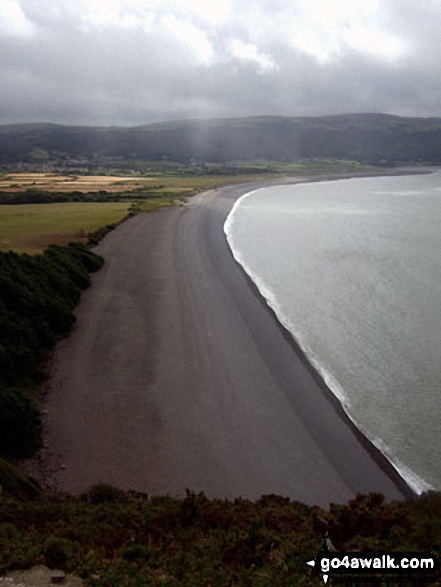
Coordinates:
352 268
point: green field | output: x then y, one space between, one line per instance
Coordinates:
29 228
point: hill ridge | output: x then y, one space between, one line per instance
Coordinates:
375 138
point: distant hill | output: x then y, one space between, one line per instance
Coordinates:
368 138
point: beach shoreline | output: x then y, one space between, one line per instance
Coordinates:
377 454
179 375
386 463
383 462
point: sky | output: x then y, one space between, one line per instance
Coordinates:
134 62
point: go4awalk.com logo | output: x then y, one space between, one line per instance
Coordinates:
336 564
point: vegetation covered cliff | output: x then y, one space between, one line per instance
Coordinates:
37 296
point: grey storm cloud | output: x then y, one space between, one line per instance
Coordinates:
140 61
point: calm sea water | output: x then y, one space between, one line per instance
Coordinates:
353 269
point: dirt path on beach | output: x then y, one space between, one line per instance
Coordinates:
177 375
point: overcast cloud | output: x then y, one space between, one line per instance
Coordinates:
139 61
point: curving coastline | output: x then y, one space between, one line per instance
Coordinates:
416 484
178 375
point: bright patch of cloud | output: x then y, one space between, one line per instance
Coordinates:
324 28
120 13
250 52
191 35
331 15
373 41
110 11
214 12
12 19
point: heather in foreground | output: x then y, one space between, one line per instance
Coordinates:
111 538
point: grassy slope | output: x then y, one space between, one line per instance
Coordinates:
32 227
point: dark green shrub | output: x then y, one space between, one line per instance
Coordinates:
19 424
8 532
103 493
60 553
37 296
14 482
95 237
137 553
